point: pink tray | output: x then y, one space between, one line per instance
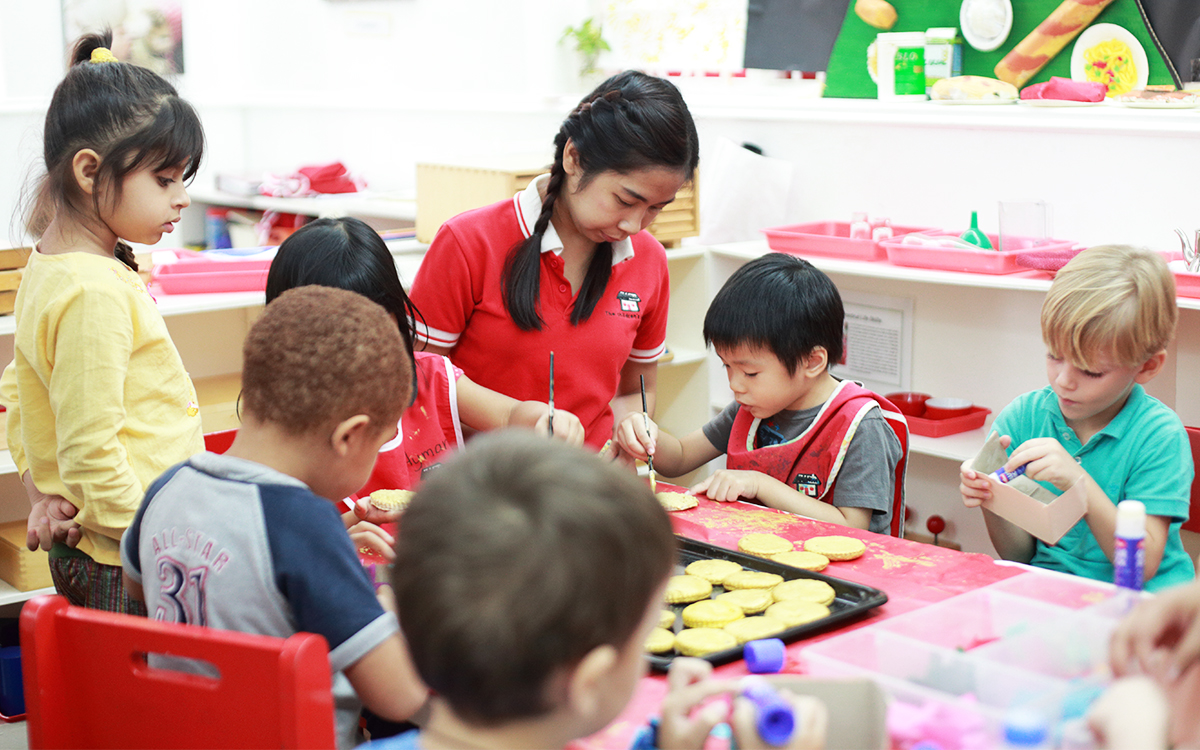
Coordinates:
971 261
972 420
202 275
1187 284
829 238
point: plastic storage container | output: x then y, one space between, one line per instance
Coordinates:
831 239
970 260
197 273
972 420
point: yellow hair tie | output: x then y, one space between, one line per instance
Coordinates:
103 55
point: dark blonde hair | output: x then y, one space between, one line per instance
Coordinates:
318 355
1112 302
516 560
128 115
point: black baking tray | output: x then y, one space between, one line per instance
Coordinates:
851 600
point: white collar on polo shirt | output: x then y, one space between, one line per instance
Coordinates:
529 207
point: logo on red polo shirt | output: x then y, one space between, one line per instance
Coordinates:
629 301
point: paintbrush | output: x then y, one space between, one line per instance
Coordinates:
551 394
646 420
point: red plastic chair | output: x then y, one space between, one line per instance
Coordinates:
88 685
1193 522
219 442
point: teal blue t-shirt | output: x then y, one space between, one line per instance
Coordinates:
1142 454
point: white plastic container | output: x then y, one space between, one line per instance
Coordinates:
900 65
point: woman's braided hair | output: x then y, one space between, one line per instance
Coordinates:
631 121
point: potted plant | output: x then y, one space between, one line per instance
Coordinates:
589 43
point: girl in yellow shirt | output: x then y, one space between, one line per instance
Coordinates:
98 401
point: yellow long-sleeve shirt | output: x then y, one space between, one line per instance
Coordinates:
98 401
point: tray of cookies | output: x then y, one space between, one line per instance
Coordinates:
720 599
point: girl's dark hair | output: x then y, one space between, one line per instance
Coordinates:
344 253
516 560
128 115
631 121
780 303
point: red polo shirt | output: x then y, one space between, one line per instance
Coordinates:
459 292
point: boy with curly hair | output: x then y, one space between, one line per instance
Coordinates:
250 540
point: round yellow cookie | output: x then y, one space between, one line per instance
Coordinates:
713 571
795 612
805 589
391 499
751 579
764 545
685 588
677 500
752 601
801 559
660 640
836 547
711 613
666 619
753 628
701 641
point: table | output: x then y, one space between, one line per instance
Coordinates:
912 574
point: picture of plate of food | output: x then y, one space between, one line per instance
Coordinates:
1110 54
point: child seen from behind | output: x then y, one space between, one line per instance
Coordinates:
1106 321
99 403
528 575
795 437
321 392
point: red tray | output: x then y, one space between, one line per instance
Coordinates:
828 238
972 420
1187 284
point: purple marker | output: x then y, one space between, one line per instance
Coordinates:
1004 477
773 715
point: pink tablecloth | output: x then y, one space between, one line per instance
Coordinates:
910 573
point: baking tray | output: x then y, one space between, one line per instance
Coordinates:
830 239
851 600
972 420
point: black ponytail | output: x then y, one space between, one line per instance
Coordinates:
631 121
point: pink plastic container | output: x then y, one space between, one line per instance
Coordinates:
970 260
829 238
1187 284
195 273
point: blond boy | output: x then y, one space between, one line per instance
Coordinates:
1106 322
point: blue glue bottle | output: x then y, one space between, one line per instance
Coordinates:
773 715
1129 553
1004 477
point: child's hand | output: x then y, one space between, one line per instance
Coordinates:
974 484
1046 460
812 720
365 511
1160 637
688 685
368 536
636 436
567 426
52 519
728 485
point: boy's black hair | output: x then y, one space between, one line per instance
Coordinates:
129 115
630 121
780 303
515 561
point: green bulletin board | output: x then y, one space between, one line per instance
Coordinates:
847 74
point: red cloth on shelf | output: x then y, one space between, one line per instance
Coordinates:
1067 90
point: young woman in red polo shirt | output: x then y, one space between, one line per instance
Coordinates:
566 266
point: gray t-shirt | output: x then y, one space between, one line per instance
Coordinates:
867 478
